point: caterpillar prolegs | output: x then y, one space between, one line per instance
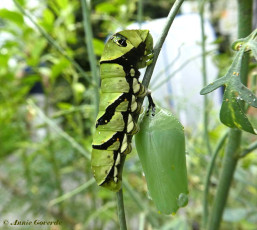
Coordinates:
124 53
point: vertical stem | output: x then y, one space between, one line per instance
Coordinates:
204 75
27 173
121 211
208 179
245 10
140 12
91 54
227 172
233 146
51 151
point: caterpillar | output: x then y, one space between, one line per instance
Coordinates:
124 53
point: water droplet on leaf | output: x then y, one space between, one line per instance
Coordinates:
182 200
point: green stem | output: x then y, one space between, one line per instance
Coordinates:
208 178
72 193
232 151
141 205
227 172
91 53
121 211
60 132
204 75
249 149
52 155
140 12
52 41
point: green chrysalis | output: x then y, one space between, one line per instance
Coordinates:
161 148
124 53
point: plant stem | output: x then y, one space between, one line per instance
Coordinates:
140 12
58 130
121 211
72 193
227 172
204 75
249 149
232 151
208 178
91 53
150 218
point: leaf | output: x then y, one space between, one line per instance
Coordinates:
232 112
106 8
59 67
161 149
11 16
214 85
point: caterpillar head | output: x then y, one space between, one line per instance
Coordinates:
124 41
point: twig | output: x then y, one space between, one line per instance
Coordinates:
121 210
204 75
91 53
72 193
249 149
58 130
208 178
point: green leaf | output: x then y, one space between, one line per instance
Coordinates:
214 85
161 149
232 112
59 67
98 46
106 8
11 16
48 20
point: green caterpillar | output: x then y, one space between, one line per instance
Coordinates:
124 53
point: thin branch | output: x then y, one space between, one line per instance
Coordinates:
91 53
249 149
58 130
141 205
72 193
121 210
208 178
204 75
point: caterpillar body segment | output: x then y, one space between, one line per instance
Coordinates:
124 53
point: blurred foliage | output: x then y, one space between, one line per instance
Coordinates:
39 164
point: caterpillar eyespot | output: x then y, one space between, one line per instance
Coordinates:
124 53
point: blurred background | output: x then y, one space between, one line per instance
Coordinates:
47 112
